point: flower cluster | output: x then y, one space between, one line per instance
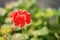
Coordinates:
20 18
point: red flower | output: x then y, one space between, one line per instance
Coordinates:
20 18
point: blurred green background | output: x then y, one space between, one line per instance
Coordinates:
45 23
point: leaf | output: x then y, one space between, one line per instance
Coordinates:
19 36
43 31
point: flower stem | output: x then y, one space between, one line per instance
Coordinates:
14 35
23 34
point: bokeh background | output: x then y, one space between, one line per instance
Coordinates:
45 23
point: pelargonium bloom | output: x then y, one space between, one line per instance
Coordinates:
20 18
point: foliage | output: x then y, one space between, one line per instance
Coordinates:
44 25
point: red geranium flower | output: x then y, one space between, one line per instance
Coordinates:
20 18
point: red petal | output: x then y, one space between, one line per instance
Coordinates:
28 21
11 15
20 17
16 24
22 21
26 13
11 19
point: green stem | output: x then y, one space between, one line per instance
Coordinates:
14 33
23 34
